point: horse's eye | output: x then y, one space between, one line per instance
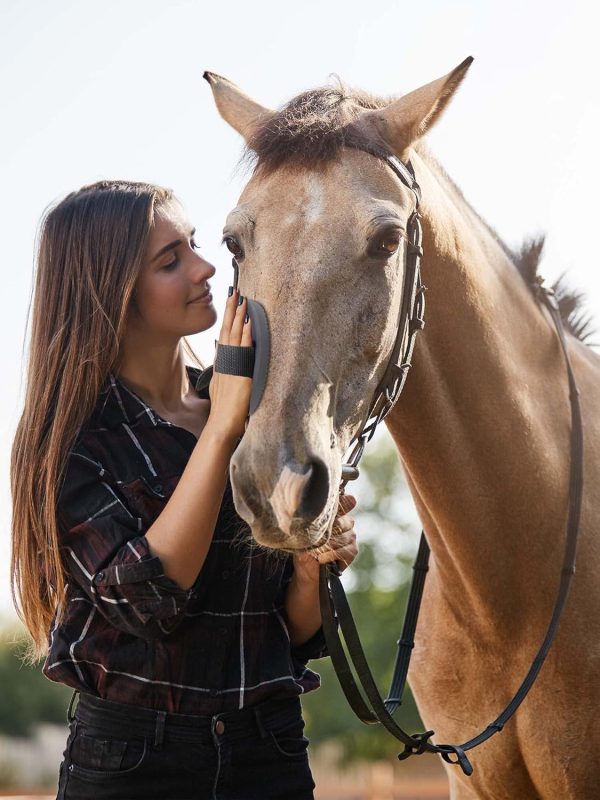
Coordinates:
234 246
385 244
390 243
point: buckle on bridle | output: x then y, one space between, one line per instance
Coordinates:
451 753
545 294
421 740
448 750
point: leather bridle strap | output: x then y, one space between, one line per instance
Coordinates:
333 599
406 642
411 321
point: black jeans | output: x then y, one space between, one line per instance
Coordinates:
120 752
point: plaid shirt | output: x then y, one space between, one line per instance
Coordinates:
126 631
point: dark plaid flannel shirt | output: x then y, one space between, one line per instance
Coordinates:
126 631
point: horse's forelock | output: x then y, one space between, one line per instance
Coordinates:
311 128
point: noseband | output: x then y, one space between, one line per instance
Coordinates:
335 610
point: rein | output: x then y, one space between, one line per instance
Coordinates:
333 599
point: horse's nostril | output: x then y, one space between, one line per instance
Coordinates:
315 492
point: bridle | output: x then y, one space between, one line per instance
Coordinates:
335 610
332 596
411 321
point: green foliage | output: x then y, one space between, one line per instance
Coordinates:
27 696
377 589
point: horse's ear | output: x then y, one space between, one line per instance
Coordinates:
236 108
408 118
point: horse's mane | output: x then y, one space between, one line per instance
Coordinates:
312 128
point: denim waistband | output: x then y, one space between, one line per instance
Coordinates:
258 718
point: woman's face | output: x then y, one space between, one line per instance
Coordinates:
173 276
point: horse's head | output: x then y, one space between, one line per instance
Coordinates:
319 237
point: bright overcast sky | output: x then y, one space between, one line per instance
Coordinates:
114 89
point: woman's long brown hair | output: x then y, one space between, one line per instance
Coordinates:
89 256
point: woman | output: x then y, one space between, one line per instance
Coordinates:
186 646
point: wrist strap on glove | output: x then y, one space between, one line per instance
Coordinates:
234 360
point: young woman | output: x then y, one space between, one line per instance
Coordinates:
186 646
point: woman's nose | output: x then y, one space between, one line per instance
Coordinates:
203 269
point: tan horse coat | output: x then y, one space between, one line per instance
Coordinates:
482 430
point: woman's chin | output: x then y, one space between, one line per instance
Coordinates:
207 319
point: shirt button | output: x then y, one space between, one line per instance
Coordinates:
225 574
220 727
99 576
158 487
214 693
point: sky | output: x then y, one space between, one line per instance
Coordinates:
114 89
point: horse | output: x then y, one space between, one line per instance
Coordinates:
482 427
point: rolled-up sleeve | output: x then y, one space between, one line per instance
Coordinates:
315 647
105 550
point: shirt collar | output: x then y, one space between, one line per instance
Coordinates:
118 404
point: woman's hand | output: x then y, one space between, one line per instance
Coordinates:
230 394
302 607
341 546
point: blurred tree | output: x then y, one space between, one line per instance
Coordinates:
377 587
27 697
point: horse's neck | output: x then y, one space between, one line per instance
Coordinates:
481 424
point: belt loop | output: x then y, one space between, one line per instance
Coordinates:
70 712
159 731
259 723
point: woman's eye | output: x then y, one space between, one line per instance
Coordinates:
233 246
172 265
195 246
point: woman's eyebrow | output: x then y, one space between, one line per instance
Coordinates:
170 246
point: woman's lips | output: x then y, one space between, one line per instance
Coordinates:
204 298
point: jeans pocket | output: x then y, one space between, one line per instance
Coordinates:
98 756
290 741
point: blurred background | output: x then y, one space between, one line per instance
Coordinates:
114 90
